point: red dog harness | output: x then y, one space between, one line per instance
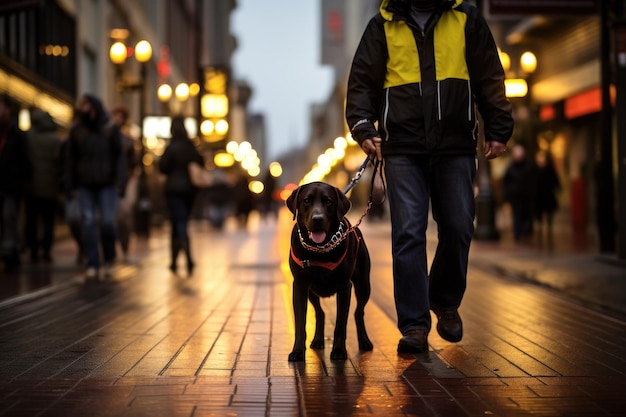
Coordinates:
305 263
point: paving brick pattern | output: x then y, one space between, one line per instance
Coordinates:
147 343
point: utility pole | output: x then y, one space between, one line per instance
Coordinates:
605 200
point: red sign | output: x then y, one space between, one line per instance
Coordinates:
582 104
544 7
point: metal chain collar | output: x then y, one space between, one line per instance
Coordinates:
340 236
335 239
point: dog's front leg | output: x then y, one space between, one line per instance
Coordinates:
320 318
339 351
300 291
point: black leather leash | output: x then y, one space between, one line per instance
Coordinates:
378 170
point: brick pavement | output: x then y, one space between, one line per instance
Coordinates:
147 343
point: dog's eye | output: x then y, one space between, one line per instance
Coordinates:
328 202
307 200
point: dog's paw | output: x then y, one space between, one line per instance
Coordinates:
296 356
317 344
365 344
338 354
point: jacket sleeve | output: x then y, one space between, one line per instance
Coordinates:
487 80
366 81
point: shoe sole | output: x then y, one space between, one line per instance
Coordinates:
407 348
448 338
411 350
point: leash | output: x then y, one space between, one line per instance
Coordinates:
377 173
378 170
358 175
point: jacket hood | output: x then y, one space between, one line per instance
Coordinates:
96 103
42 121
390 8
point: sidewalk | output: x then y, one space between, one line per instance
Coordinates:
566 265
147 343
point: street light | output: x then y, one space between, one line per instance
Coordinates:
143 53
182 92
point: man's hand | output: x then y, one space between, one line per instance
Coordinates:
493 149
372 148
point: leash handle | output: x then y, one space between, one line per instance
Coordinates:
378 189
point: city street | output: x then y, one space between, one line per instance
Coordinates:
150 343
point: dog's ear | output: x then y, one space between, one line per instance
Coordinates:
343 204
292 202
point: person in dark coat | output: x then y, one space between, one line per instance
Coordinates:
15 171
420 76
548 185
44 149
93 154
180 193
519 184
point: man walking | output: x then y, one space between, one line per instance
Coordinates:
419 71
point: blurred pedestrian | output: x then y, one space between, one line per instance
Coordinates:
267 206
519 185
420 70
73 218
42 193
548 185
15 171
93 155
127 180
180 193
244 200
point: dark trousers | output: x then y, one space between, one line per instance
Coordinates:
40 214
414 183
9 233
98 207
179 207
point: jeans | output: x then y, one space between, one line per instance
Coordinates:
415 183
94 202
73 219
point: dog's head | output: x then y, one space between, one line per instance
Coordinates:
318 207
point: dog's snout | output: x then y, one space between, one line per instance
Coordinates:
317 218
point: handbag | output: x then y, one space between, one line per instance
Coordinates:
199 176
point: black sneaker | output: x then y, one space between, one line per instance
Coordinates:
414 341
449 324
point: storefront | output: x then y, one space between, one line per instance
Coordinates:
38 57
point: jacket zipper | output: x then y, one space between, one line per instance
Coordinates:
469 100
438 100
385 114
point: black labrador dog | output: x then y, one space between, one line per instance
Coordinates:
327 257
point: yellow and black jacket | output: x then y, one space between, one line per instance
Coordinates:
422 88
